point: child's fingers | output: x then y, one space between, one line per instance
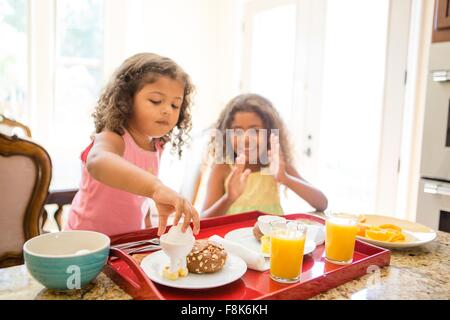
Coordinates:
240 163
240 160
274 152
196 220
178 212
187 216
235 172
162 224
245 175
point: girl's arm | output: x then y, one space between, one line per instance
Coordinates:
105 164
216 202
304 189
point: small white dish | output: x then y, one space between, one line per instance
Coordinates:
245 237
264 222
233 270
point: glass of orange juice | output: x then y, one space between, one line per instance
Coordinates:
340 237
287 242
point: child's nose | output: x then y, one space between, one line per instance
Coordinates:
166 109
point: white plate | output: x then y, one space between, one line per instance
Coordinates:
415 233
233 269
415 239
245 237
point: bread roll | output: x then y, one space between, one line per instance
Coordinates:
206 257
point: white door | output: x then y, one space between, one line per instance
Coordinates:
339 87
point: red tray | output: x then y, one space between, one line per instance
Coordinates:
317 274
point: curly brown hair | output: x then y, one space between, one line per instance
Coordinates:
115 105
270 117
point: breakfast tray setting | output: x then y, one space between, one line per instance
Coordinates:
317 275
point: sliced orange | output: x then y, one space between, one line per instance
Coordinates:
392 234
390 226
362 227
383 233
399 237
380 235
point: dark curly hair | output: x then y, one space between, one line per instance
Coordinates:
264 109
115 105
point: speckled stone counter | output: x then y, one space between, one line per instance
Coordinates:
417 273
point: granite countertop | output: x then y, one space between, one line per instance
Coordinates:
416 273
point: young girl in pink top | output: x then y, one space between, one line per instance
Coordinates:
145 105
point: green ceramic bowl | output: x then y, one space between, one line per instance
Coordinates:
66 260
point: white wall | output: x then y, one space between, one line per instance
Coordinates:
201 35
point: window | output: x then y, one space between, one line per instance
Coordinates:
78 81
14 59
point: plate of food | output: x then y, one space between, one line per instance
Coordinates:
393 233
255 242
208 264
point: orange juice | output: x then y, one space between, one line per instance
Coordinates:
340 240
286 256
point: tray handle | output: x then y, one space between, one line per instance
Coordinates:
144 287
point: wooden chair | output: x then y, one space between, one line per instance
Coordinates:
25 171
60 198
9 127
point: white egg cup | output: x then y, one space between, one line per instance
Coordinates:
177 250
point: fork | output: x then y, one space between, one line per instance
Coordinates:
149 247
126 245
130 251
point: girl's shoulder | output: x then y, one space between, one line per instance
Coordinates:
110 140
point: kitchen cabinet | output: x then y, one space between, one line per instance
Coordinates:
441 21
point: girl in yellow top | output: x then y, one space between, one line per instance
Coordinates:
248 166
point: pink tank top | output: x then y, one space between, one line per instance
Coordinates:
111 211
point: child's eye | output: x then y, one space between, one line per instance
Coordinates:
175 106
155 101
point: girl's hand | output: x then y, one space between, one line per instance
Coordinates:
277 166
238 179
168 201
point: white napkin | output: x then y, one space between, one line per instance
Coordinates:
254 260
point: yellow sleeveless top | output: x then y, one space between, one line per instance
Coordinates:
261 193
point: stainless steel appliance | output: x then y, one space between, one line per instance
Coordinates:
433 207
